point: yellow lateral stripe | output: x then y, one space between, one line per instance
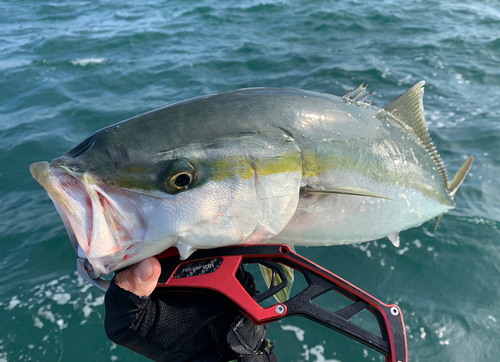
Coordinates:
240 166
314 166
231 166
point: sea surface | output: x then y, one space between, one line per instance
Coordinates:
69 68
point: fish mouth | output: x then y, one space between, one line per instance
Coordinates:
102 222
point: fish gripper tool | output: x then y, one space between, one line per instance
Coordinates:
215 270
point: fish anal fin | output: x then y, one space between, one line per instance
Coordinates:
340 190
394 238
408 109
460 176
283 295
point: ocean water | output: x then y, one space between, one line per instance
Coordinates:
68 68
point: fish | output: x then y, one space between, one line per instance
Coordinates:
255 165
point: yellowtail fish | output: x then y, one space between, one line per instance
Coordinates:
258 165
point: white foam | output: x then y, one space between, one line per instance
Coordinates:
87 311
422 333
417 243
440 332
37 323
299 333
61 298
61 324
14 302
52 283
46 313
87 61
402 251
319 352
97 302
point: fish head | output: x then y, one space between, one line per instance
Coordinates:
125 196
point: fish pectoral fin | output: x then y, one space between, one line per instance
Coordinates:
394 238
315 199
460 176
354 191
283 295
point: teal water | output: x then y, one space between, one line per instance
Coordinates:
68 68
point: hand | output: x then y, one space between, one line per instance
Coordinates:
180 326
141 278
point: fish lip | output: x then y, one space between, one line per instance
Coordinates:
69 193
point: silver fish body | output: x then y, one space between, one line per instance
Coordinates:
250 166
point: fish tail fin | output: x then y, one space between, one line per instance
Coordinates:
460 176
439 220
457 181
283 295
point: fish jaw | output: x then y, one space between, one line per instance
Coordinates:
108 224
70 206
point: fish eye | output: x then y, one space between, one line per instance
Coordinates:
180 180
181 177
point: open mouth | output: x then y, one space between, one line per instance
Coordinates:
74 205
104 223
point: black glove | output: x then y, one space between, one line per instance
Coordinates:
248 340
185 326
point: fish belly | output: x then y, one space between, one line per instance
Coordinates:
322 220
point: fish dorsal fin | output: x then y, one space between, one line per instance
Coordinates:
408 109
